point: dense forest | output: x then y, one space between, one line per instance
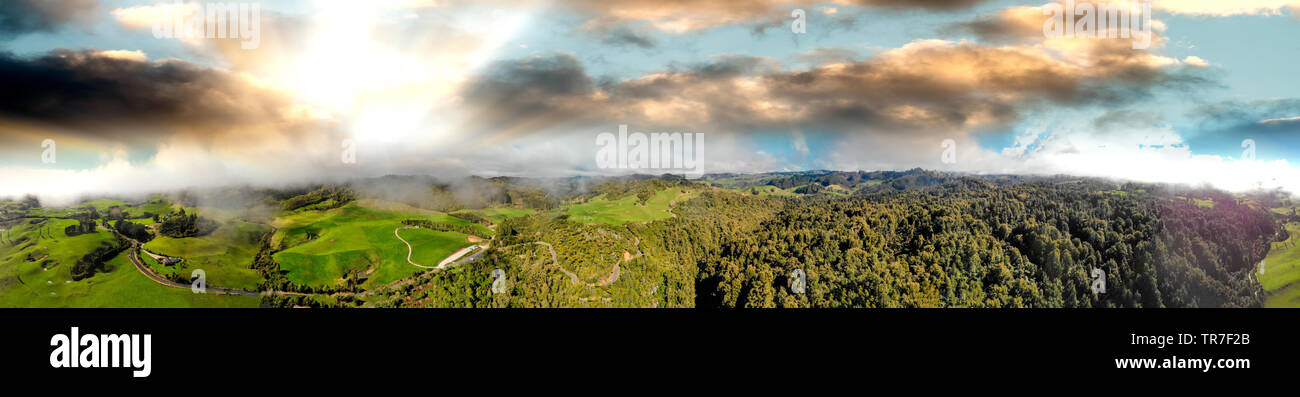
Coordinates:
970 243
182 225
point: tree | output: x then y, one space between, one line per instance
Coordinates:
30 202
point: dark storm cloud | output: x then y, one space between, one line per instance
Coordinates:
95 94
513 96
26 16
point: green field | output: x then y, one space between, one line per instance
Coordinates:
1281 278
322 246
224 255
431 246
617 212
47 281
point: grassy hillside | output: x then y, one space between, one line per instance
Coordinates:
224 255
36 259
430 246
45 280
1281 276
626 209
322 246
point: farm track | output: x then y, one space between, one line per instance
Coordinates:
137 248
409 249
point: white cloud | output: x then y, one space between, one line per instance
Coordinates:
798 141
130 55
1156 154
1196 61
1224 8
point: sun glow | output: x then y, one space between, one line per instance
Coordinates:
392 81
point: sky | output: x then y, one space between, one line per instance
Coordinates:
523 88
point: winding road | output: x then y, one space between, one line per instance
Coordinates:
556 260
137 248
449 261
573 277
148 272
410 249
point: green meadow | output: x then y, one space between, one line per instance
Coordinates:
320 247
428 247
224 255
1281 278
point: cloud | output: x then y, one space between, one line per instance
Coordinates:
450 105
1019 24
622 36
683 16
928 85
827 55
1159 158
530 95
121 92
1120 119
798 142
28 16
1271 124
1281 120
145 16
144 124
1023 24
1026 24
1216 8
1236 113
1196 61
